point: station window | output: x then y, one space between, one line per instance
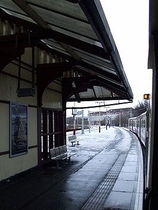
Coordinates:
51 131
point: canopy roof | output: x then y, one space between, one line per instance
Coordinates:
76 30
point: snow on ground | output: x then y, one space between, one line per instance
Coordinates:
125 143
95 140
93 137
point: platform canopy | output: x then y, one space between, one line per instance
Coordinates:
76 30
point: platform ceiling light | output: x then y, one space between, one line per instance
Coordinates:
73 85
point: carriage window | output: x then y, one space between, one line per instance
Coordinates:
143 123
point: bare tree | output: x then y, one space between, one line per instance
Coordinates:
139 108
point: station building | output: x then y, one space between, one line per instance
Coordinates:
51 52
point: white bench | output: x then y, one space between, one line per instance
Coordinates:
60 153
73 139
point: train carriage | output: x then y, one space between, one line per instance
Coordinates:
138 125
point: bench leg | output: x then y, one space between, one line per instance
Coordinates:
58 167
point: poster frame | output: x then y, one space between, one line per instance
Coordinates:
18 129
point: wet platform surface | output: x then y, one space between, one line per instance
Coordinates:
105 173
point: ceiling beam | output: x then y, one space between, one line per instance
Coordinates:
33 15
97 71
49 33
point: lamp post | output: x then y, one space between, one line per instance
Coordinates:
120 118
82 121
106 118
99 116
74 113
99 120
89 121
74 129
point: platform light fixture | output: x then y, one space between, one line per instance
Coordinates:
73 85
146 96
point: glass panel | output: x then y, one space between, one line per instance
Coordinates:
60 6
94 59
86 37
10 6
64 22
88 94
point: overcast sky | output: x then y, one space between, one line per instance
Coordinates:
128 21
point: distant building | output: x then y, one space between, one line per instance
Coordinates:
118 117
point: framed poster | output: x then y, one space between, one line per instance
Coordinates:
18 129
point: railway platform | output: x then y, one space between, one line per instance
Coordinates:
105 173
